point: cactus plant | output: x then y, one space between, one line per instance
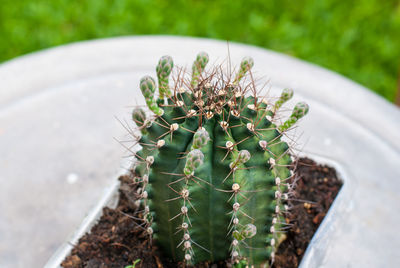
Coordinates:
213 169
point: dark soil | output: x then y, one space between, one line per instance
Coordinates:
316 188
117 240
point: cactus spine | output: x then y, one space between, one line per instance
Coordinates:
213 168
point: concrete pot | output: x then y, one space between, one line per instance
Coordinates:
57 111
313 257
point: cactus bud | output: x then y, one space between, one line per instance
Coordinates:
243 157
148 87
164 69
300 110
138 116
200 138
246 64
193 160
249 230
198 67
286 95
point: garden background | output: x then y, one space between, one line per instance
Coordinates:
359 39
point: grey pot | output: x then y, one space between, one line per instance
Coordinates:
316 250
57 111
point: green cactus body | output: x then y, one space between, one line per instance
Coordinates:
213 169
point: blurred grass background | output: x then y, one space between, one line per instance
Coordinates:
359 39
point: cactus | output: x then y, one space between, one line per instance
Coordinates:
213 169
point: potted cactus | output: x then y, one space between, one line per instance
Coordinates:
214 174
214 170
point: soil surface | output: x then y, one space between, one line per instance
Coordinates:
117 240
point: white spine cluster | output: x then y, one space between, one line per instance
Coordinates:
282 193
241 158
200 139
235 251
186 240
143 197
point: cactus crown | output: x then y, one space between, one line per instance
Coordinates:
213 169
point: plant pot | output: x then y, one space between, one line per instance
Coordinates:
347 123
313 257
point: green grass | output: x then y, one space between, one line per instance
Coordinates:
359 39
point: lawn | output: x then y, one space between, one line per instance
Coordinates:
359 39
